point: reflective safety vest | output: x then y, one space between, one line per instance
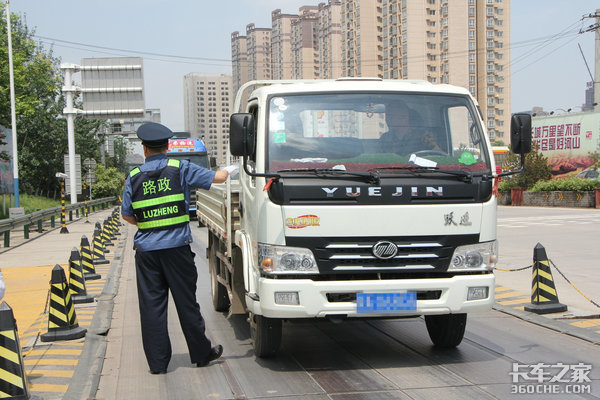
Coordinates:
158 200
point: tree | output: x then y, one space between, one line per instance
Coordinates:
536 169
110 182
119 160
37 88
41 130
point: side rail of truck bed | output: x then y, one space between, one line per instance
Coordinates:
211 208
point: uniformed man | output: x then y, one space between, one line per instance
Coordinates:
156 199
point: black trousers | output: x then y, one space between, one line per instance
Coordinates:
158 272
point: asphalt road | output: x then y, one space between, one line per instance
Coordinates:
384 359
571 238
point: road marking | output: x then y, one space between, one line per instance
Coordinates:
49 361
56 352
511 302
588 323
50 373
501 289
46 387
509 294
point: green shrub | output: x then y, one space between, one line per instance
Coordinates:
566 184
110 182
536 169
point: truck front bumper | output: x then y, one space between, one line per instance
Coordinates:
338 298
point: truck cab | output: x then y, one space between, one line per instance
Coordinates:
363 199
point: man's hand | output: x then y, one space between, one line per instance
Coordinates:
224 172
232 169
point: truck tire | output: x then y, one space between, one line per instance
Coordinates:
266 335
446 330
220 298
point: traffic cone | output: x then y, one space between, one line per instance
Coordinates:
77 287
114 226
106 236
13 382
98 250
544 299
117 219
87 263
62 320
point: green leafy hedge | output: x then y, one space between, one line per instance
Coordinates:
567 184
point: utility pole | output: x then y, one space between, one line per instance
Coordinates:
596 28
597 64
13 115
70 112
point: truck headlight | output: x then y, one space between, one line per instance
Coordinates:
475 257
286 260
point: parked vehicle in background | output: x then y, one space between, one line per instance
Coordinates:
193 150
329 220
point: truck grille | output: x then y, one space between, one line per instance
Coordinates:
349 255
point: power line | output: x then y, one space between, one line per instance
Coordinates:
132 51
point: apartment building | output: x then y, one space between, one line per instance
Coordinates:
207 105
328 58
361 38
459 42
239 60
281 44
259 52
303 43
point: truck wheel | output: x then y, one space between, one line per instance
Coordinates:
446 330
220 298
266 335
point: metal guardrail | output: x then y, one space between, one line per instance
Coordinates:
38 217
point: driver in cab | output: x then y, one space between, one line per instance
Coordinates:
403 135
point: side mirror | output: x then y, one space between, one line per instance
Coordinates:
213 162
241 134
520 133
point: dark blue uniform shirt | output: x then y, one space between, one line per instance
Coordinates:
192 175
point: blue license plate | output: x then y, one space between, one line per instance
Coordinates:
378 303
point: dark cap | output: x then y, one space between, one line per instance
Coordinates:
153 134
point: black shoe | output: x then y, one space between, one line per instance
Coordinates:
160 372
215 353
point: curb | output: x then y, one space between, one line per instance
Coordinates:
558 326
86 377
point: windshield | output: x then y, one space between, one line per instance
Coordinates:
367 132
198 159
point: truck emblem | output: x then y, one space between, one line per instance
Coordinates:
385 250
449 219
303 221
465 221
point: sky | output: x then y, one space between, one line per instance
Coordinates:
547 67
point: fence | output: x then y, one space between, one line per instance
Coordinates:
37 218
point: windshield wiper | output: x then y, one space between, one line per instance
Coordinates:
467 176
371 177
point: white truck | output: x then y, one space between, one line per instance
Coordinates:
343 211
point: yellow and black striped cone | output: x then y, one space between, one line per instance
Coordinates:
87 263
77 280
106 236
544 299
13 382
114 226
62 320
98 249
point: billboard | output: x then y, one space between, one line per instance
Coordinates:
112 87
567 140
